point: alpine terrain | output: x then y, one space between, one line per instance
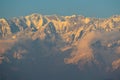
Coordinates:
52 47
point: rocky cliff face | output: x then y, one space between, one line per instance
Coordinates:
90 43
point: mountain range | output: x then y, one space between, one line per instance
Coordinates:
53 47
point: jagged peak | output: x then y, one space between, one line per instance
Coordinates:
115 16
2 20
35 15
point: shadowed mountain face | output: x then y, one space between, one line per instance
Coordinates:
38 47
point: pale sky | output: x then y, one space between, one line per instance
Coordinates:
89 8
